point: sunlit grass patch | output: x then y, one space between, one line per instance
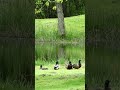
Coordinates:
46 29
61 79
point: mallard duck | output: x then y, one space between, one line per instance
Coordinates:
56 67
106 86
69 66
77 66
43 68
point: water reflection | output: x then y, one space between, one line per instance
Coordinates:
53 51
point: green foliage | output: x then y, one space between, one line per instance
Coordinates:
47 9
54 8
47 3
61 1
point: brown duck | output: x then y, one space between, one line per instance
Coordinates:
69 66
77 66
43 68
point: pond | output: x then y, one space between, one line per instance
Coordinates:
50 52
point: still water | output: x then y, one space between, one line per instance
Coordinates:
54 51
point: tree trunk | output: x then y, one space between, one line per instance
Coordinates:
61 26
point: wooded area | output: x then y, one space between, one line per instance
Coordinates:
47 9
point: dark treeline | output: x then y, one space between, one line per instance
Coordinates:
70 8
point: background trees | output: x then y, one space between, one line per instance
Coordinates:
65 8
47 8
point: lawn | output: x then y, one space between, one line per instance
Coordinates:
46 29
61 79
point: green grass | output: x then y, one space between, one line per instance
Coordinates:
46 29
61 79
52 61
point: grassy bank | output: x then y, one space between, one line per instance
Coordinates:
46 29
61 79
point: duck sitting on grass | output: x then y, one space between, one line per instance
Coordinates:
43 68
56 67
77 66
69 66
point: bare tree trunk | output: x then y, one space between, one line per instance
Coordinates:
61 26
